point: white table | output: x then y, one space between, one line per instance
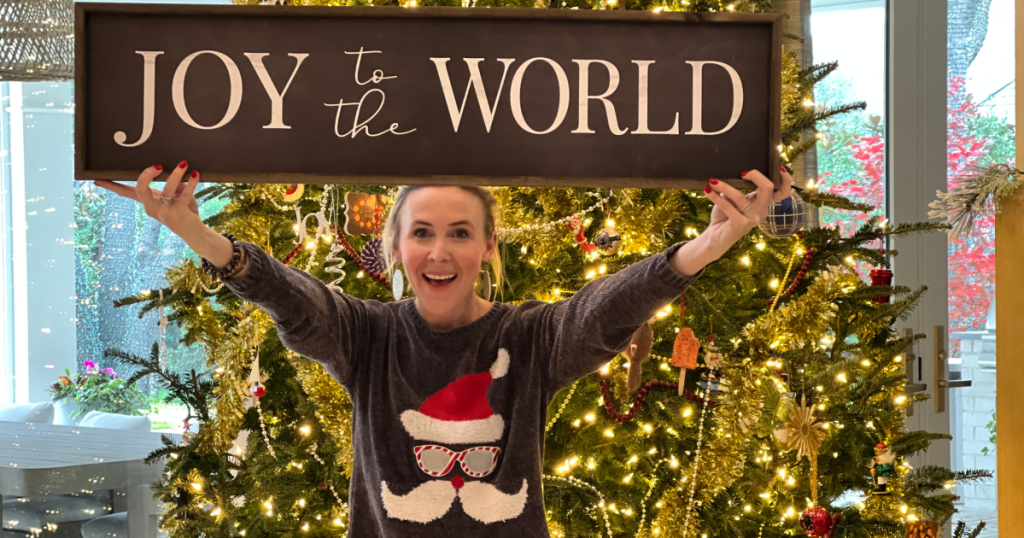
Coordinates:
48 459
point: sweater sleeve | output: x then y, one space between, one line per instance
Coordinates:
587 330
312 319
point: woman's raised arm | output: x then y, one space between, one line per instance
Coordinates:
311 319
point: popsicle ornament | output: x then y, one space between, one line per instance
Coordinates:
685 348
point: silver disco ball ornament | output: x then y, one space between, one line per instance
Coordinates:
786 218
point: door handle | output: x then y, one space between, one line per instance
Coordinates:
910 360
943 385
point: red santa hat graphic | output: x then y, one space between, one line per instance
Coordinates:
459 413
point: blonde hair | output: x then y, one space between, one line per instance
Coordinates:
392 224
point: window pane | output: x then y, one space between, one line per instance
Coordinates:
851 152
980 133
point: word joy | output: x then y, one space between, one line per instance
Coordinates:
455 109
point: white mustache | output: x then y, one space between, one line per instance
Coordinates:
431 500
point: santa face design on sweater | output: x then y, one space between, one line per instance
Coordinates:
457 415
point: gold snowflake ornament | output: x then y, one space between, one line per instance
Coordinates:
804 431
805 435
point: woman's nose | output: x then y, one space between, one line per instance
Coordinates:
439 250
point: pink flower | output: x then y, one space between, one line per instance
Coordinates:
90 367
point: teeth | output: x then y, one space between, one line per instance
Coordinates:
440 277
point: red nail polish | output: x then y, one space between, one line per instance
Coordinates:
783 168
158 166
713 181
183 164
195 174
744 174
707 190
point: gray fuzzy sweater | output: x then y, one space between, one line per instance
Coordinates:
448 426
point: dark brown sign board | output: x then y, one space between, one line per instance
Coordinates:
445 95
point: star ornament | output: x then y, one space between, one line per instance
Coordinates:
805 433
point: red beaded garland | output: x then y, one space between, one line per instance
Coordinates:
639 398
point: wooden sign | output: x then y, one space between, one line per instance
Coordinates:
382 95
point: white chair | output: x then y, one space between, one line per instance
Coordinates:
112 526
114 421
32 514
39 413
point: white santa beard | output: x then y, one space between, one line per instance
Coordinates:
484 502
429 501
432 500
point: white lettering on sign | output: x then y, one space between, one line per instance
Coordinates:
585 97
234 97
148 90
698 94
641 92
276 98
361 125
475 82
178 89
364 111
516 95
487 110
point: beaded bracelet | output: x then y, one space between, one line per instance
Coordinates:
233 266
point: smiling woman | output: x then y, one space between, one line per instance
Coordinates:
441 235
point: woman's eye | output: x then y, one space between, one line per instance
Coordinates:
420 233
461 234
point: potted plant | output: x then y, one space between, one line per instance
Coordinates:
74 395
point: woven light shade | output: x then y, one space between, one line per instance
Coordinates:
37 40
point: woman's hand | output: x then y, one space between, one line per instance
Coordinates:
181 217
733 216
729 220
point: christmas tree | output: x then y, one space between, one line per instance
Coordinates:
789 418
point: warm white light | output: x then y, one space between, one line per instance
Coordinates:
774 283
842 378
745 261
609 432
901 399
305 430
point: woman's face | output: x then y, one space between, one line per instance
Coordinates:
441 243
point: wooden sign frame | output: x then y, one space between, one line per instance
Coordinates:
85 10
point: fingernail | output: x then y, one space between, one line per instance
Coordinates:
707 190
183 164
158 166
195 174
783 168
713 181
744 174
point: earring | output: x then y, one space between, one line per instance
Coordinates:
397 284
485 281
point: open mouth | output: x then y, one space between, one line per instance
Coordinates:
439 280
